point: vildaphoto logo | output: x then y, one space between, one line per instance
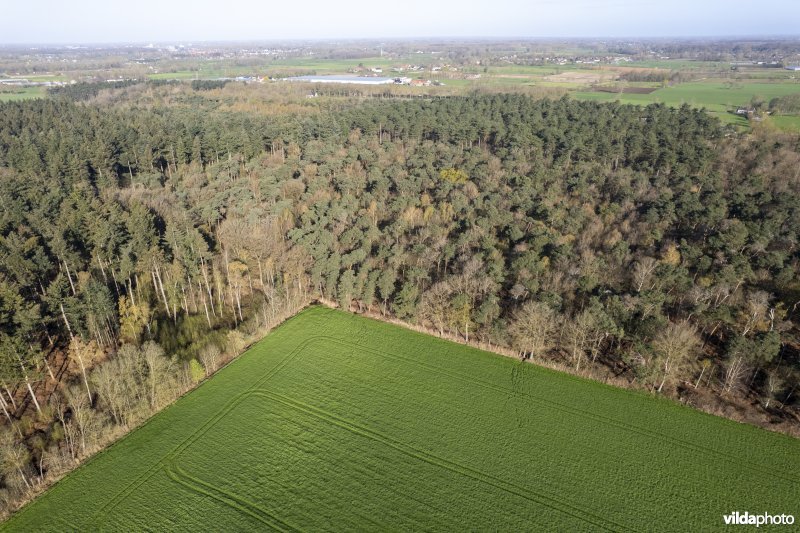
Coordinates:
747 519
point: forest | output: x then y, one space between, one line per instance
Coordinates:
148 233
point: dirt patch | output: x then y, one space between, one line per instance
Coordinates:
638 70
625 90
592 76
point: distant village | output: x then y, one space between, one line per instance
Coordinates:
24 82
418 64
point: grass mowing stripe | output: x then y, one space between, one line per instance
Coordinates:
422 455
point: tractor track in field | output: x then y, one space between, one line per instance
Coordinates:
163 463
572 410
435 460
196 484
231 500
168 461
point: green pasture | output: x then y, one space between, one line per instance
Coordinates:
181 75
13 94
335 422
678 64
786 122
343 65
715 96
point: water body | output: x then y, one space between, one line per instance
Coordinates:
364 80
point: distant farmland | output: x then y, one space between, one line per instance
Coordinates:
336 422
717 97
12 94
717 89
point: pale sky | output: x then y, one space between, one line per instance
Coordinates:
92 21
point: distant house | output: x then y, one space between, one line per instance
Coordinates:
377 70
420 83
744 111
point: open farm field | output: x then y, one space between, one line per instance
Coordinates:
589 76
330 65
716 97
343 65
12 94
208 72
529 70
680 64
270 67
179 75
786 122
337 422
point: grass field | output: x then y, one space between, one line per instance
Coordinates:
12 94
715 96
786 122
336 422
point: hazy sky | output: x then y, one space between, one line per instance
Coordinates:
84 21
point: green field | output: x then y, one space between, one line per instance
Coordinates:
219 69
715 96
786 122
13 94
337 422
680 64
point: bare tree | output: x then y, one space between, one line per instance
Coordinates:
774 385
643 272
84 353
468 287
756 312
435 306
83 417
705 364
157 367
210 356
4 406
118 384
673 348
735 369
15 457
577 332
61 409
534 328
26 374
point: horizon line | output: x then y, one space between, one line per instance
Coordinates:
400 39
